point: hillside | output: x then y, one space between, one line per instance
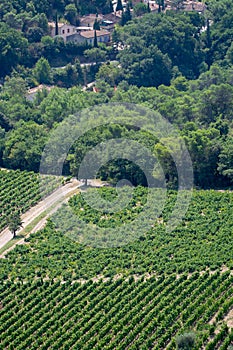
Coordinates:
144 261
143 294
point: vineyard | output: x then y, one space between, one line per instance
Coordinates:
59 294
21 190
121 314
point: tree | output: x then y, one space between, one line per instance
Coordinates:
14 222
148 7
24 145
71 14
12 48
96 25
56 25
140 8
178 4
110 73
127 13
42 71
95 40
225 165
95 55
185 341
119 6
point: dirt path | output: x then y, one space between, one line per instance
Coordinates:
57 196
49 205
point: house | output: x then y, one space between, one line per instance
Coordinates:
88 36
112 18
64 29
197 6
106 24
31 93
89 20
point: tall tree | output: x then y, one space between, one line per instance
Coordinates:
148 7
96 25
56 25
42 71
128 15
119 6
95 40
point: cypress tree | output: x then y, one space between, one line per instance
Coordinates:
56 25
119 6
110 6
95 40
128 16
96 25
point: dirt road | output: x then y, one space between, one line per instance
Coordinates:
57 196
49 205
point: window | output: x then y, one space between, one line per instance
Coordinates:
63 31
68 30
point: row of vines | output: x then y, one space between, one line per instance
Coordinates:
21 189
121 314
203 240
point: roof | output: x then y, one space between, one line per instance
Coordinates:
60 24
91 33
90 17
111 17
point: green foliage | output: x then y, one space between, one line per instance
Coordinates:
202 240
12 48
42 71
186 341
14 222
24 145
95 55
158 43
71 14
139 9
225 165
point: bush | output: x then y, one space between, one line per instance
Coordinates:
185 341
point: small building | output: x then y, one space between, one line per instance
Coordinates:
197 6
31 93
88 37
89 20
64 29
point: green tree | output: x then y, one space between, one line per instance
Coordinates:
12 48
71 13
140 8
96 25
95 55
24 145
42 71
14 222
95 40
110 73
225 164
56 25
